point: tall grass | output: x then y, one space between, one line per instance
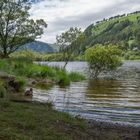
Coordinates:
24 67
21 82
75 77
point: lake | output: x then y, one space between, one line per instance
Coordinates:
113 98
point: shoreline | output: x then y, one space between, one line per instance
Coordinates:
101 130
123 132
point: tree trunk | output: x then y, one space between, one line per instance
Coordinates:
4 53
65 65
2 56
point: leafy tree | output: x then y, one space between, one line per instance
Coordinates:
102 59
16 27
69 43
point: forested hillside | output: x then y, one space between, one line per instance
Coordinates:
123 30
40 47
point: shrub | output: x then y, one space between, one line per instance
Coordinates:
103 58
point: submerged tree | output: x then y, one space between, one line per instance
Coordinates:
103 59
16 27
69 43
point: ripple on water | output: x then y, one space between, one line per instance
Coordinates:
105 100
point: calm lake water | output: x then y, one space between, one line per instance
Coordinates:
107 99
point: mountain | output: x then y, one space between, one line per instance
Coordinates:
38 46
123 30
34 1
55 47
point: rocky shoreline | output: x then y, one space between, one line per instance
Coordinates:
108 130
100 130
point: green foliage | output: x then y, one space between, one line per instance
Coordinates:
40 71
16 26
75 77
103 58
21 82
132 55
119 30
2 89
61 76
63 79
19 67
80 58
28 54
35 121
69 43
53 57
24 67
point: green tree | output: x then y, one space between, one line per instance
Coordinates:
102 59
16 27
69 43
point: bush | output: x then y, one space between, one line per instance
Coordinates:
102 59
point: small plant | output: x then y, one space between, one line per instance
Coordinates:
64 79
47 72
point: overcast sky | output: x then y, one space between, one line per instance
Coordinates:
60 15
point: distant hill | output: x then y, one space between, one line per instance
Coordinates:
34 1
55 47
123 30
40 47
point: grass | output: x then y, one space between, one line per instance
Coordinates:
75 77
21 82
103 25
2 89
25 68
34 121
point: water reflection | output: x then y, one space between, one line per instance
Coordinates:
106 100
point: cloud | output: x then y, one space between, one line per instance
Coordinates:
63 14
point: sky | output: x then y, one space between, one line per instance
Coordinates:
60 15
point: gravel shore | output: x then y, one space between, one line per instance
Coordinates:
113 131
